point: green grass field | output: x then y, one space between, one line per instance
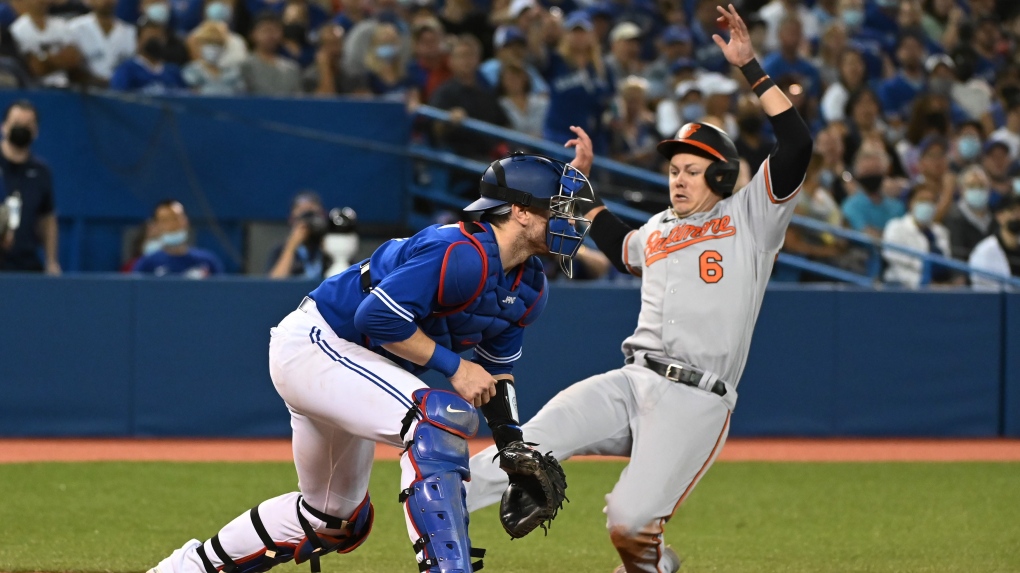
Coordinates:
753 517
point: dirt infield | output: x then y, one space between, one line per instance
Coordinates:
772 450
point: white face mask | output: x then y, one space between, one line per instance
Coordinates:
211 53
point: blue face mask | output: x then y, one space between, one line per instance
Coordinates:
853 18
827 178
218 12
1016 186
158 13
152 245
692 112
923 212
976 198
175 238
968 147
386 52
887 3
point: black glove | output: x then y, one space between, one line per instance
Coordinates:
536 492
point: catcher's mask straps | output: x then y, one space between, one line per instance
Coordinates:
501 191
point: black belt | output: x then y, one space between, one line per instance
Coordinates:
366 278
682 373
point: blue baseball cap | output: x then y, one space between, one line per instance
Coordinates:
603 9
507 34
578 19
676 35
683 64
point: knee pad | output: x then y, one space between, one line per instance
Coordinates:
311 548
435 502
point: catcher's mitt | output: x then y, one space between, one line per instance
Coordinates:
537 489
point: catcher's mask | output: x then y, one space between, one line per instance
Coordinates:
532 180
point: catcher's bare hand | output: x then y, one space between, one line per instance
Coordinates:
473 383
739 50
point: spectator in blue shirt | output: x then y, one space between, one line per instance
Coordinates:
880 17
147 72
787 61
868 209
898 92
706 52
580 86
862 39
176 257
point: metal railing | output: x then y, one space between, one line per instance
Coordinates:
659 181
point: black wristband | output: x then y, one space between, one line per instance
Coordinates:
756 76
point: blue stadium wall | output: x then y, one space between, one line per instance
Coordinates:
228 160
115 356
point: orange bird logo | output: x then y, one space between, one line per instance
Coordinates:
688 130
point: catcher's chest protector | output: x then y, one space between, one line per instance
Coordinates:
494 301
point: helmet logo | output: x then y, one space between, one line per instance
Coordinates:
688 130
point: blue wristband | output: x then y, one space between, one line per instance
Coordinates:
444 361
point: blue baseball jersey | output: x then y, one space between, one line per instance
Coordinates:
449 282
195 264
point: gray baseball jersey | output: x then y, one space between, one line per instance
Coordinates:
704 277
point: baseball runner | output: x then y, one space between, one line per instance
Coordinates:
704 264
345 363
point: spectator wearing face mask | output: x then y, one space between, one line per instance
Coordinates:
206 73
28 182
867 209
862 39
966 146
182 15
148 72
360 41
46 45
221 12
919 231
387 74
103 39
999 253
969 220
265 72
686 105
327 77
161 13
176 258
296 44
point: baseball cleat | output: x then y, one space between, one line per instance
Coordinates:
671 557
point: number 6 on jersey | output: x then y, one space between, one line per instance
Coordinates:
711 270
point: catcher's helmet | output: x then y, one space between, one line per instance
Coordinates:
711 142
533 180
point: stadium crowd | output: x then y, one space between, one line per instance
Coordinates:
915 105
